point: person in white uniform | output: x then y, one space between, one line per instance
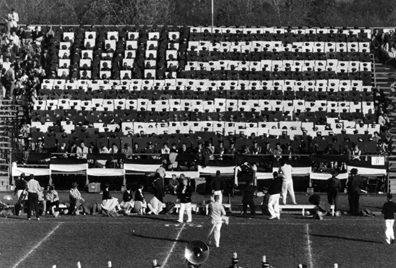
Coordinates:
287 182
217 215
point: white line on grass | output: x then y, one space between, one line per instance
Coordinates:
309 248
37 245
173 246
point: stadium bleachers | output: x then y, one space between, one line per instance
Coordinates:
266 83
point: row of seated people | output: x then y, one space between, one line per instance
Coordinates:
216 105
277 129
288 34
152 146
209 85
127 99
210 75
119 116
254 62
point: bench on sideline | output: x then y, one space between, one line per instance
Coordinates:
303 208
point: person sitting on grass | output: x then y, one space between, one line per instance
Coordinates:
127 200
321 209
110 205
140 201
155 206
52 198
76 201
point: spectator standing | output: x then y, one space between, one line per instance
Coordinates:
287 185
20 188
389 210
218 186
333 188
274 192
217 214
354 184
14 19
33 188
248 198
184 196
159 187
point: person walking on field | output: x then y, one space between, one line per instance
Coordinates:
389 210
287 184
217 215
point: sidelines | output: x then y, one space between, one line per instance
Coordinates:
309 248
37 245
257 222
173 246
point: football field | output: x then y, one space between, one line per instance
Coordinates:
135 241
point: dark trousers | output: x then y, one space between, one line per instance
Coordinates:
332 198
33 201
251 205
353 199
51 204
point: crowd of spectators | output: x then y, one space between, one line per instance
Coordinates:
29 54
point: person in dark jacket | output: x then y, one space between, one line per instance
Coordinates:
127 200
248 196
218 186
389 210
354 184
159 187
109 204
333 188
140 201
274 192
184 196
322 208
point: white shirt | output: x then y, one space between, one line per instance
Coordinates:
33 186
286 171
217 211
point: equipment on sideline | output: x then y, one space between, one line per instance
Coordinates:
196 253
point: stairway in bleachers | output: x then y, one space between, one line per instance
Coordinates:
10 115
384 76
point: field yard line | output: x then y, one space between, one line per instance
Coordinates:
37 245
309 248
173 246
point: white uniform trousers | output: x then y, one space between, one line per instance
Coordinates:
273 205
389 233
183 207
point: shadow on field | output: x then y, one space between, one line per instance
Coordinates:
160 238
158 218
346 238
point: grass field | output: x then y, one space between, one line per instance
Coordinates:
134 241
